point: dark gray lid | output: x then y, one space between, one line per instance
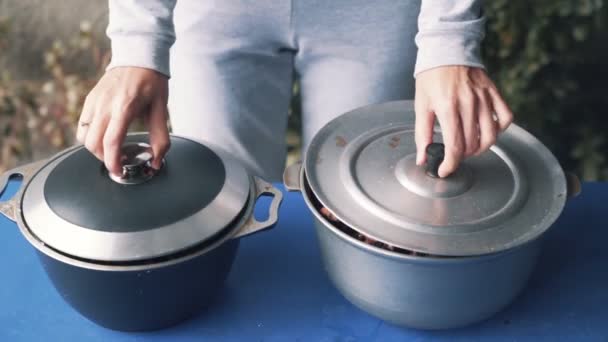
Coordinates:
74 206
361 166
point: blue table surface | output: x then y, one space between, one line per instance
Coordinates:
278 291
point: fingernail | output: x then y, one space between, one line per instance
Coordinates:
441 173
117 172
156 164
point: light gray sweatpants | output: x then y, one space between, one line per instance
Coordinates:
233 61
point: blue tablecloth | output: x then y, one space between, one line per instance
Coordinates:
278 291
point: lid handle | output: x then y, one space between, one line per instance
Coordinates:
136 160
435 153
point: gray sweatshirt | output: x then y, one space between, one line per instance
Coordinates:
449 33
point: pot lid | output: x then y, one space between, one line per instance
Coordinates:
75 207
361 166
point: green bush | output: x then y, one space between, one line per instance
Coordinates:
550 60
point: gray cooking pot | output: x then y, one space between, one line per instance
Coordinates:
146 250
416 250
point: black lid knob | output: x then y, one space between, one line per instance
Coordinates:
435 153
136 164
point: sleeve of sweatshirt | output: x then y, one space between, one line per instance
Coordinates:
449 33
141 33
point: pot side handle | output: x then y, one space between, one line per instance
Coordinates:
9 208
291 177
252 225
573 185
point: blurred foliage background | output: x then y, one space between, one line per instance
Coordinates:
548 57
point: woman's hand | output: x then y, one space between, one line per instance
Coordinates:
469 108
122 94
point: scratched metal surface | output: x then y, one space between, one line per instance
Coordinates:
278 291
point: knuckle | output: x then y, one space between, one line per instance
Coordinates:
487 142
91 145
491 140
447 106
468 99
111 141
483 102
508 118
455 149
126 104
483 86
95 96
145 89
472 145
491 87
124 107
486 145
164 144
471 149
504 123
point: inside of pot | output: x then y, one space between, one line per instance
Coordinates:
351 232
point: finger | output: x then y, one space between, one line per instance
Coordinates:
86 116
119 122
451 129
502 110
97 128
425 121
159 132
468 106
487 126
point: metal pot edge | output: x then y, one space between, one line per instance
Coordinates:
92 265
299 184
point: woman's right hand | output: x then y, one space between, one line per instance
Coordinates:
122 94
